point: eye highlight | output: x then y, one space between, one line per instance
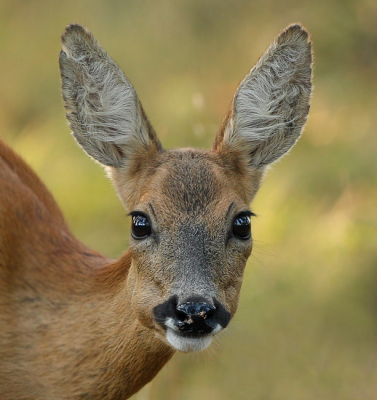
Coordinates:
141 227
242 226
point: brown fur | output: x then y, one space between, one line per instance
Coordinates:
77 325
61 331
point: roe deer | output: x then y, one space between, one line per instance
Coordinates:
77 325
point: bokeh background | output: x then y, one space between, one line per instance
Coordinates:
307 321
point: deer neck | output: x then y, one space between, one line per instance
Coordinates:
131 353
82 330
113 353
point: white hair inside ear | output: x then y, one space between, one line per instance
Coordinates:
103 110
271 104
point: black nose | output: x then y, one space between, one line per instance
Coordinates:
195 310
193 316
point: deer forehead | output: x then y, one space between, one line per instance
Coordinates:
191 183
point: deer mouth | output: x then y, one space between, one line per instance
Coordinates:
187 341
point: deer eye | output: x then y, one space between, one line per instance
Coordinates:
141 227
241 226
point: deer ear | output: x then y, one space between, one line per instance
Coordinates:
271 104
103 110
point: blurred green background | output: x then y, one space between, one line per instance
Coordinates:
306 327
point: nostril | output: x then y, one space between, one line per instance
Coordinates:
181 314
211 312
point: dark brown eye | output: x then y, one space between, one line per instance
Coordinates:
241 226
141 227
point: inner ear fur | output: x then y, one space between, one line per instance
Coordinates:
103 110
270 106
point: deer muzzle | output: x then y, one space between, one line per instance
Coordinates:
190 325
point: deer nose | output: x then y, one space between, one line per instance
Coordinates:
195 317
195 310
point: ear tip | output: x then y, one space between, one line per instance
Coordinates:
73 30
75 33
295 33
296 28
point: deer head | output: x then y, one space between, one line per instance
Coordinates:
191 234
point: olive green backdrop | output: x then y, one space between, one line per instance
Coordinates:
306 328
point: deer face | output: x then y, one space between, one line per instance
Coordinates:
190 214
190 241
